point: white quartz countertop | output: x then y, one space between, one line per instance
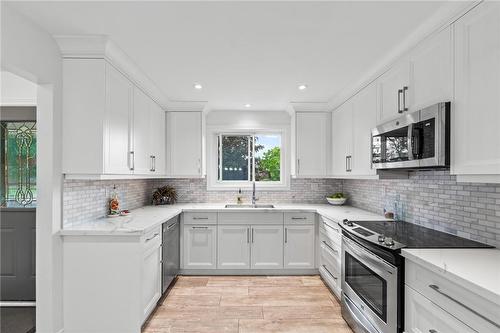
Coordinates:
478 270
145 218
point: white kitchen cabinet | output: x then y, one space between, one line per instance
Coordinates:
342 138
267 246
476 113
184 144
233 247
431 71
299 246
364 119
158 138
151 281
312 136
200 246
393 91
107 123
422 315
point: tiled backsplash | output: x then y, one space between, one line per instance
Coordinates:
86 200
434 199
430 198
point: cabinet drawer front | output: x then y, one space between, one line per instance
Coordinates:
331 230
422 315
331 281
299 218
459 301
200 218
331 261
333 247
152 239
251 218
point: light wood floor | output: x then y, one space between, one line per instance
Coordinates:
248 304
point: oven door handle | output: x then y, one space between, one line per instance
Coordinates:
369 258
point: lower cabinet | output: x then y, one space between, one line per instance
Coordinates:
267 246
422 315
151 279
233 250
299 246
199 246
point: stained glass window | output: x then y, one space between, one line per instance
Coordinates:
18 160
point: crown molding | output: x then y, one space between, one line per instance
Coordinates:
101 47
308 107
195 106
445 16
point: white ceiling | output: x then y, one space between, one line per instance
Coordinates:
243 52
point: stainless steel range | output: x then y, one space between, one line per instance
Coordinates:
373 270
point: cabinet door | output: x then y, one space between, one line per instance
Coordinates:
422 315
364 118
141 130
158 138
431 79
476 116
299 246
267 246
341 138
311 143
388 86
233 246
184 142
151 280
199 246
117 130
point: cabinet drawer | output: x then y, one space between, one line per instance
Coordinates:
422 315
299 218
333 247
332 281
200 218
458 301
331 260
331 230
152 239
251 218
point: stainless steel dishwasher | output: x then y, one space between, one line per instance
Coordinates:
170 252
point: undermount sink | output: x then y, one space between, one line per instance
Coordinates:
249 206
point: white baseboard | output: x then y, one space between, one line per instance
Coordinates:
307 271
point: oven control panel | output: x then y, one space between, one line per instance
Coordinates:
370 235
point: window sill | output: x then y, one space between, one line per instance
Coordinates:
248 187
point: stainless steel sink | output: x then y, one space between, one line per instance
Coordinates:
249 206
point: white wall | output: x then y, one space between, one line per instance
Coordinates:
32 53
16 91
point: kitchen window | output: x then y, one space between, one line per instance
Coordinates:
244 158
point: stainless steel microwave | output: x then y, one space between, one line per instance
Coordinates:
419 139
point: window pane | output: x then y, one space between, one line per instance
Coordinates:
267 157
235 157
18 157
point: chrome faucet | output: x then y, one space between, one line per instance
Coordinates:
254 198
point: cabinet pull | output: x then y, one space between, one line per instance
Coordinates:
199 166
252 235
200 227
151 163
298 166
152 237
330 273
299 218
329 226
200 218
346 163
286 235
248 235
433 331
154 163
405 89
400 92
132 159
171 225
329 247
436 289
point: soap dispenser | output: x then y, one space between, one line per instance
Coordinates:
239 197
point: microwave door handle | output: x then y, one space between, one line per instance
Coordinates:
417 143
410 142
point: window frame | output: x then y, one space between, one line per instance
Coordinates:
212 170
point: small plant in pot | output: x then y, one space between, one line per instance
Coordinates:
166 195
336 199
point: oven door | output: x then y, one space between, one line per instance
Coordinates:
391 143
369 287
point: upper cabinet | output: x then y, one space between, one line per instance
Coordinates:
312 134
476 115
417 80
184 144
342 138
109 125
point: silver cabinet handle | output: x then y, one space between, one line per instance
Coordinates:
331 248
329 226
152 237
248 235
200 218
436 289
171 225
330 273
433 331
298 166
132 159
252 235
299 218
405 89
346 163
400 92
286 235
200 227
151 163
199 166
154 163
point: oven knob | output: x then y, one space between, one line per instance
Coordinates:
388 241
381 238
345 221
350 224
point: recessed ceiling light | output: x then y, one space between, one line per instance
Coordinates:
197 86
248 105
302 87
